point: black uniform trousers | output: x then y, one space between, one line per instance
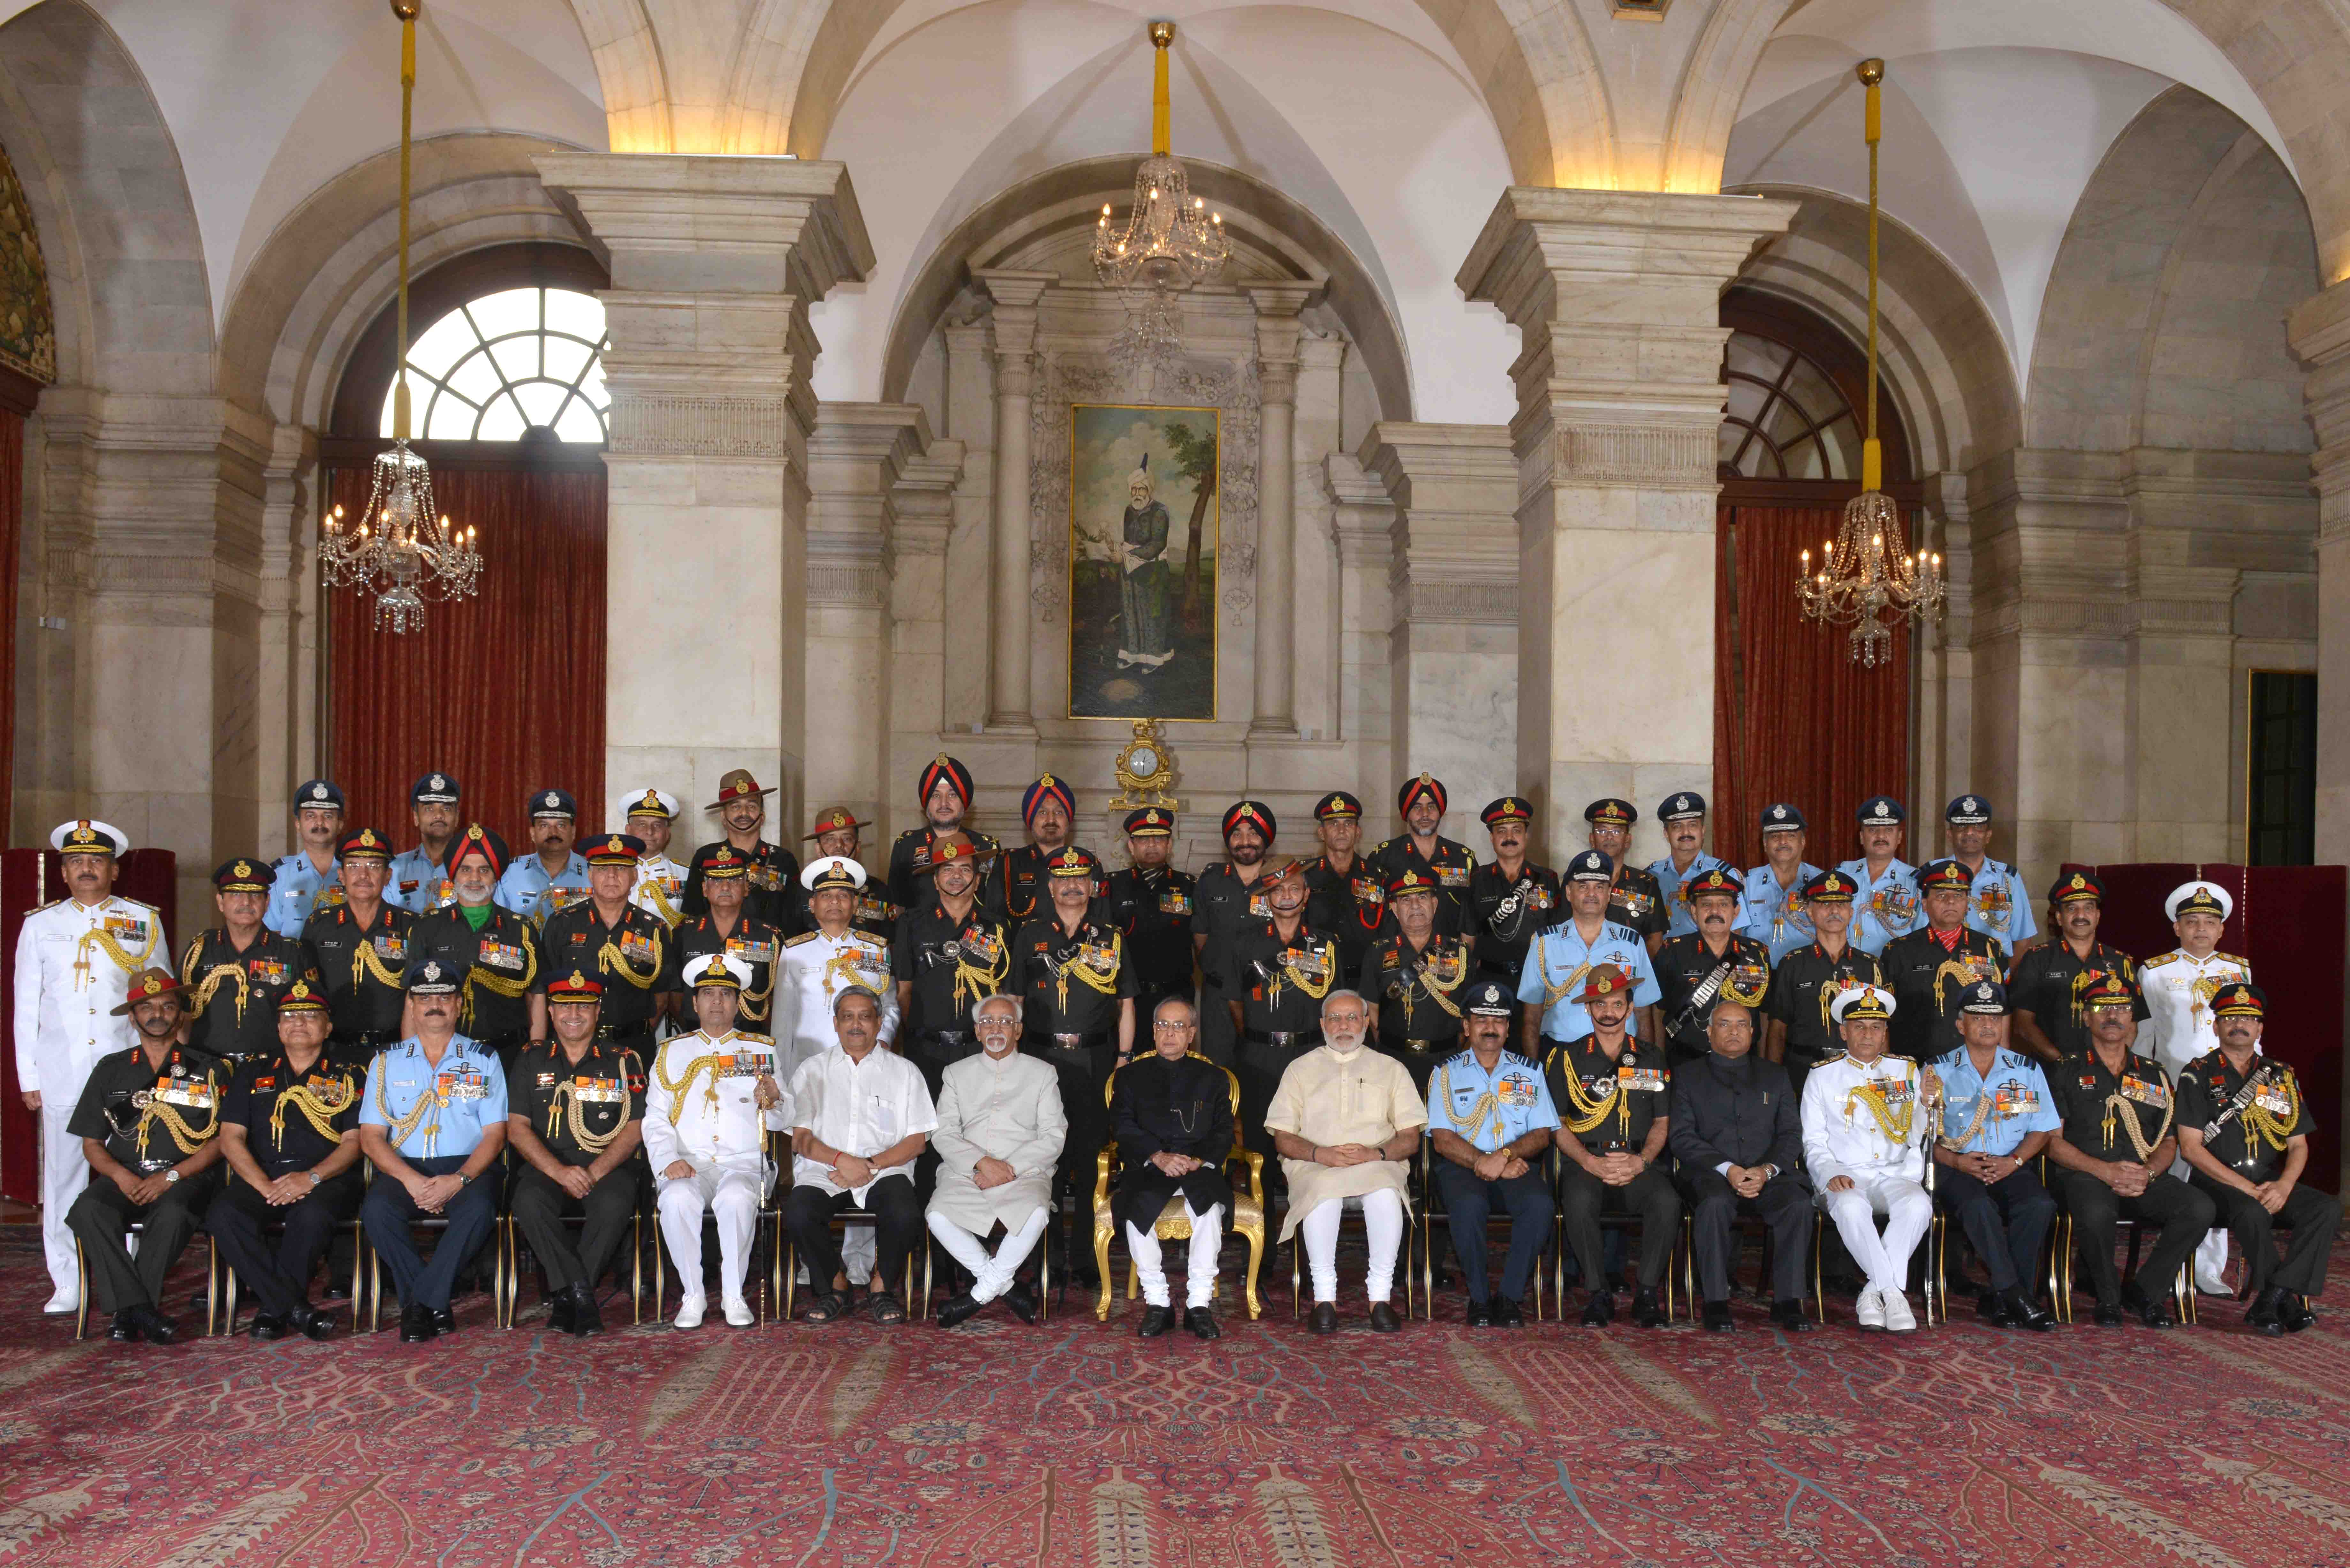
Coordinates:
1469 1200
101 1216
1785 1205
2309 1215
2182 1214
279 1276
388 1211
1258 1066
897 1210
2005 1220
540 1207
1583 1198
936 1050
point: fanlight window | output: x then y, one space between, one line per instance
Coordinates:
508 363
1785 419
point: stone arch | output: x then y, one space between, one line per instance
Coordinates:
317 283
628 67
126 275
1273 235
1533 63
1943 364
2191 353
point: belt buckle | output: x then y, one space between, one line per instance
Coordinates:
1068 1041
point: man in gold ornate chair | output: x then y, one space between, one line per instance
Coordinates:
1172 1115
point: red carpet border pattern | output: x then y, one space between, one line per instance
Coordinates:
1073 1443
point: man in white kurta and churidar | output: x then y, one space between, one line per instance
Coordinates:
1001 1131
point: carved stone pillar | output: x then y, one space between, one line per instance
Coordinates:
1015 294
1616 295
715 262
1277 332
286 698
919 658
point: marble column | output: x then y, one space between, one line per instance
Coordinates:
2320 330
287 700
1362 530
1316 592
715 262
1277 332
968 606
923 501
857 454
1452 641
1616 297
1015 294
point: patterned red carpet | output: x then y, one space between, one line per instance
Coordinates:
1073 1443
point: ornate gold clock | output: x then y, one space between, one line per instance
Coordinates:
1146 770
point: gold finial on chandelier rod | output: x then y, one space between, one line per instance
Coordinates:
1162 140
406 10
1872 455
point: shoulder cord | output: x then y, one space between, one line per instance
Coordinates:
400 1128
566 1099
368 964
1870 1094
1475 1125
1103 985
706 1063
1304 982
501 984
99 937
2119 1109
609 961
973 984
2262 1126
1432 980
1588 1110
210 983
316 1111
1961 968
1554 994
187 1139
666 911
1975 1123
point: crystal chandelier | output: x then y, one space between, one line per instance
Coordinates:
402 550
1170 240
1867 578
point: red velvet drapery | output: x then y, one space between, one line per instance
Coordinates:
1794 717
11 521
504 690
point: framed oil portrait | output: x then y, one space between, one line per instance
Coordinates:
1142 561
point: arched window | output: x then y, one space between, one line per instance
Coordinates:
509 363
1785 419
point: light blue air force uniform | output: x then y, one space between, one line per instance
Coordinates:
1560 959
300 890
1668 882
2021 1103
1998 906
468 1087
1886 906
417 884
1488 1110
527 890
1774 915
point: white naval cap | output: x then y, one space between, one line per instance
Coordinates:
652 803
1871 1001
718 968
2198 898
88 836
832 871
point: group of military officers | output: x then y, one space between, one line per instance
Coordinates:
948 1046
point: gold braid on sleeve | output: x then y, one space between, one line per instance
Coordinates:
2121 1109
304 1099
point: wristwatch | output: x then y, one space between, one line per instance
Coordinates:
171 1177
313 1176
463 1180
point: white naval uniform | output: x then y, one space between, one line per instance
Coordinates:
1842 1137
660 888
68 987
710 1119
1009 1108
809 972
2178 987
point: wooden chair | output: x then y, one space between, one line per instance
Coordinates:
1244 1167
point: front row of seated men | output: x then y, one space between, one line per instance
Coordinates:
590 1126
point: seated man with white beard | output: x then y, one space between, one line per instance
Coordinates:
1344 1121
1864 1128
709 1102
1001 1132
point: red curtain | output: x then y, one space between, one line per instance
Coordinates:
505 690
1796 719
12 523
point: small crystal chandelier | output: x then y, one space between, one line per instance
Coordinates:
402 550
1170 240
1866 579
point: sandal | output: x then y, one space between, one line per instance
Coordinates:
827 1306
885 1309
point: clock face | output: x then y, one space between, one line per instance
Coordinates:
1142 761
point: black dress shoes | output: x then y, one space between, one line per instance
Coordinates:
2108 1315
1506 1313
1480 1314
958 1309
153 1326
2265 1316
1202 1322
2025 1314
1384 1319
1599 1311
587 1318
267 1325
2292 1310
415 1326
1789 1315
559 1313
125 1330
444 1319
1022 1301
1324 1319
312 1323
1716 1317
1155 1321
1646 1312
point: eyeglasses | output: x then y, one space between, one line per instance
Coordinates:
1173 1024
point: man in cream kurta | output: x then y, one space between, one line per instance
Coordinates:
710 1101
1001 1131
1344 1121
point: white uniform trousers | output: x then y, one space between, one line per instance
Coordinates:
1909 1210
65 1171
1199 1269
732 1196
1382 1229
993 1274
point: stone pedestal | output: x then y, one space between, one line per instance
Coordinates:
1452 635
715 262
1616 295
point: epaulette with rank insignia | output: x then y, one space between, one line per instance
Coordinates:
50 905
762 1039
2161 959
2232 957
803 937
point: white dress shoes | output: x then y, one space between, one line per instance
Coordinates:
689 1313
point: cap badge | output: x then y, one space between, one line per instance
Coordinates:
437 781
